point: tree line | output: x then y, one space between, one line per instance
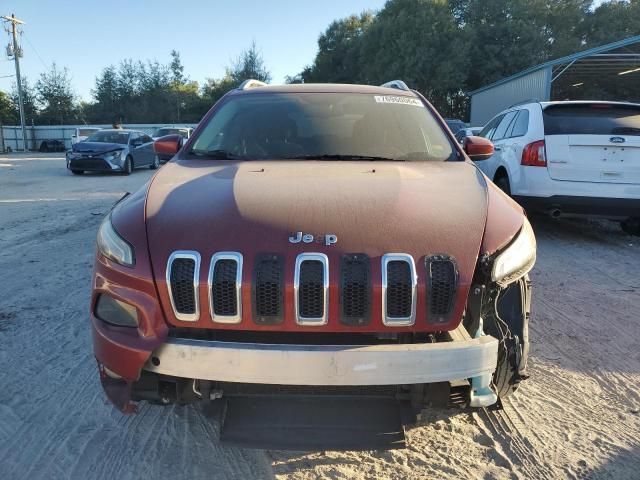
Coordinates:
130 92
447 48
442 48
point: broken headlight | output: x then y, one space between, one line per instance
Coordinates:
517 259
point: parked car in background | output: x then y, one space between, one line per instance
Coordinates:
570 157
298 223
82 133
112 150
455 124
467 132
51 145
184 132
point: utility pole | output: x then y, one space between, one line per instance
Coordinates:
17 53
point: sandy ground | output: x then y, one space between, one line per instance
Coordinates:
577 417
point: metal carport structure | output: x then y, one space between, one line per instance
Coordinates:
608 72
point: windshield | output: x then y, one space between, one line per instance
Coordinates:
323 126
109 136
161 132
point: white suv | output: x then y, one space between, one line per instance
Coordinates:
572 157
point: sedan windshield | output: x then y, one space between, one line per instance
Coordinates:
323 126
109 136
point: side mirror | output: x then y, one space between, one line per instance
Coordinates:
478 148
168 145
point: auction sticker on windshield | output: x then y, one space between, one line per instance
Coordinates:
401 100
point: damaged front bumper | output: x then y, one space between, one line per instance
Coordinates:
325 365
459 357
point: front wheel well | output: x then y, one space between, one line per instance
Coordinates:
501 172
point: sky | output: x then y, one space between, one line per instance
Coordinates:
86 36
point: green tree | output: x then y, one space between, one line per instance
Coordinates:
611 21
250 64
420 42
55 96
7 110
29 102
177 69
339 57
106 97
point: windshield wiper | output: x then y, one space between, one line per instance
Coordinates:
342 157
216 154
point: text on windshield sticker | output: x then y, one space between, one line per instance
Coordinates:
400 100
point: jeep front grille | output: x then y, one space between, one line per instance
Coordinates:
225 287
398 292
268 289
183 273
442 280
399 283
355 289
311 286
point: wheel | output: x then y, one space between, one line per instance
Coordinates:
511 327
502 182
631 226
155 164
77 172
127 168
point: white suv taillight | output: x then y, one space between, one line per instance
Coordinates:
533 155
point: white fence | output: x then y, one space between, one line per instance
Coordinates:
11 136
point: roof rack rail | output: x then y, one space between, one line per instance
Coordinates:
398 84
251 83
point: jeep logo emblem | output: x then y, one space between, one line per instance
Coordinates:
617 140
327 240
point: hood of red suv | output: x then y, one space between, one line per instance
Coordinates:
375 208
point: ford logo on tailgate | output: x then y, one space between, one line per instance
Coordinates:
617 140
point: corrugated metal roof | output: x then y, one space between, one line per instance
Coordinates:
620 61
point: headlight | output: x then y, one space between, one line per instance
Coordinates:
113 156
113 246
517 259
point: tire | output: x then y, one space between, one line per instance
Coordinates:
513 351
631 226
502 182
127 168
77 172
155 164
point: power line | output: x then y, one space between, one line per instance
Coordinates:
34 50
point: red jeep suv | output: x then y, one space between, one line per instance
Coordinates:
314 240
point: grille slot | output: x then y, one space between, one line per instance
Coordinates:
311 283
183 270
225 287
442 280
399 289
355 289
268 289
